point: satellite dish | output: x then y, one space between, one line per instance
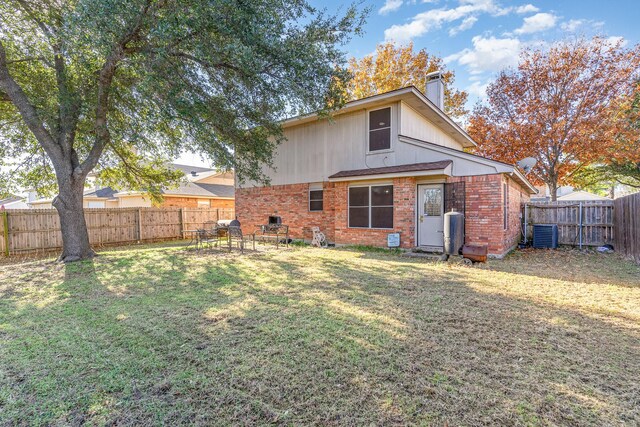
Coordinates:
527 164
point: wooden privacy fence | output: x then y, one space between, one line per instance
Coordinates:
588 223
627 226
33 230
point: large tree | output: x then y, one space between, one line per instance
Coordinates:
394 67
127 85
562 105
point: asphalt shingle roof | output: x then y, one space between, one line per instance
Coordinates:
414 167
204 190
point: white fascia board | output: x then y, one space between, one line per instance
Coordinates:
411 174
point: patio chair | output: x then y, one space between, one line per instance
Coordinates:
236 237
208 235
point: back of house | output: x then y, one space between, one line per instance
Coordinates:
389 163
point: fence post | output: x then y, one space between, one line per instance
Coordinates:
580 227
5 228
139 224
217 214
181 236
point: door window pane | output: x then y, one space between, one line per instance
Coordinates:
432 202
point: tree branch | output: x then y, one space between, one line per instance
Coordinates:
16 95
105 78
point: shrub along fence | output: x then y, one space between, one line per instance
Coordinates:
588 223
627 226
38 230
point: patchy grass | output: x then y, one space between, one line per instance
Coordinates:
154 335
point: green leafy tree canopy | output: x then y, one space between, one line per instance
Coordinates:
123 86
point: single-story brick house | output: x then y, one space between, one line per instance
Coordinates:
393 162
201 188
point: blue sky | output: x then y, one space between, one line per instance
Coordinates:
477 38
480 37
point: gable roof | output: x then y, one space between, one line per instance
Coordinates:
412 96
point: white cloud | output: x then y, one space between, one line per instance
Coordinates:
390 6
478 89
433 19
527 8
488 54
466 24
537 22
572 25
614 40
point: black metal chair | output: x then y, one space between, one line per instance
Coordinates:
235 236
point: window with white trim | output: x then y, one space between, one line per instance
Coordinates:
371 206
316 201
380 129
204 204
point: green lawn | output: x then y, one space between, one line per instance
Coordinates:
155 335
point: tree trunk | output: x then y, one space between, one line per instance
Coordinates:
553 190
75 236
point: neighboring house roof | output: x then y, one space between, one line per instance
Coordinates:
103 193
394 170
412 96
201 190
187 169
581 195
11 199
14 202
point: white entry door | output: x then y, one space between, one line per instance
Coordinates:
431 216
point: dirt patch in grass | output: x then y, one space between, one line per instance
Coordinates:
155 335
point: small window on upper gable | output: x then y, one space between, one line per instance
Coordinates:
380 129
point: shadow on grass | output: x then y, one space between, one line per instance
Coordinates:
304 338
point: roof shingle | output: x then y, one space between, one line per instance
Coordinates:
414 167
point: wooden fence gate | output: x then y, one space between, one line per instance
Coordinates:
627 226
38 230
588 223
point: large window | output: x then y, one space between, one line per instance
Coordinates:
315 200
380 129
371 206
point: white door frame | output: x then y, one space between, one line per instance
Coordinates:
418 210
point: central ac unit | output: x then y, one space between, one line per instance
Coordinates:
545 236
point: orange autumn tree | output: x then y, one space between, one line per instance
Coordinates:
561 105
394 67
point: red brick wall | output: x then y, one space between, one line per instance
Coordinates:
404 202
291 202
484 211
